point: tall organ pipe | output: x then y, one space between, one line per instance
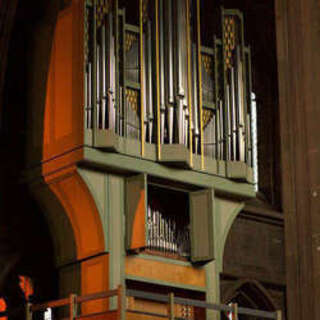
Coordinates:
195 116
189 71
200 81
103 77
158 79
142 80
111 74
169 64
149 83
162 85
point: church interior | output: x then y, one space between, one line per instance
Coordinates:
159 159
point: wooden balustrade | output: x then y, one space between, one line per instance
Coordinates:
73 301
171 301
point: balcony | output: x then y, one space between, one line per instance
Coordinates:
135 304
156 89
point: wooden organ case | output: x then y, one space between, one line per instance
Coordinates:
155 89
150 78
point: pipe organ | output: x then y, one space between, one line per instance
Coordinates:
149 77
168 222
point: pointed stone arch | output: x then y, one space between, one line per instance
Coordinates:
249 293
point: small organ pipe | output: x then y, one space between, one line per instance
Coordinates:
164 235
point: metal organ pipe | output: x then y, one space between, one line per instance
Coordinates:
240 104
171 84
149 83
180 32
233 116
111 74
158 79
142 79
195 118
228 122
162 86
200 82
103 77
163 234
98 87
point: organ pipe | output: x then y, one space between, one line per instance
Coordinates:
171 83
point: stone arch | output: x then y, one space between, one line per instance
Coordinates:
249 293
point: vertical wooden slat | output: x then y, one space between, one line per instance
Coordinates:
72 307
189 80
119 304
171 306
235 311
279 314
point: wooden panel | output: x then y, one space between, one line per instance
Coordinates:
94 278
201 214
102 316
134 316
174 273
136 212
63 124
82 212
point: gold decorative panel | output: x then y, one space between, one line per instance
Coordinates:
185 312
130 39
101 10
206 116
229 40
207 62
132 98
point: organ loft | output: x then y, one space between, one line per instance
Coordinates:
149 163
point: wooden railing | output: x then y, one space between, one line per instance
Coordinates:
73 301
231 311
